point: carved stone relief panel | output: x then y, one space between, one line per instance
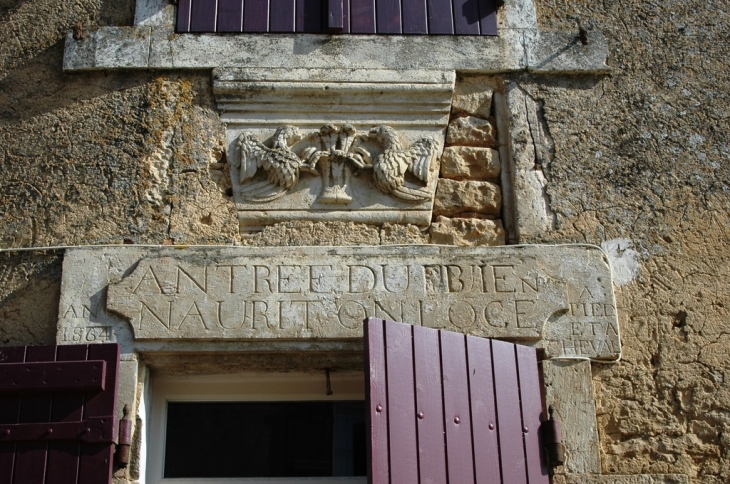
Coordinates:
341 145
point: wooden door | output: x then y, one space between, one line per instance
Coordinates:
57 407
444 407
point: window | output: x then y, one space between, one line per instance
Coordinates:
449 17
258 426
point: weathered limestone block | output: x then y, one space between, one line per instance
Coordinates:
532 148
454 197
467 232
569 389
471 131
473 96
459 162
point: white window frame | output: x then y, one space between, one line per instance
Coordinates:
241 387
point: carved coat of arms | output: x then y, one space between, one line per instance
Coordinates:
334 153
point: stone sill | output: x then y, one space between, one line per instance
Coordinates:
145 47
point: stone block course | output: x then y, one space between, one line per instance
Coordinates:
473 96
467 162
467 232
454 197
472 131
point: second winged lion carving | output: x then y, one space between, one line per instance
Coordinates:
331 152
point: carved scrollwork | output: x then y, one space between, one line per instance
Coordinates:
333 153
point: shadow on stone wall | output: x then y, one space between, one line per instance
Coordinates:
30 286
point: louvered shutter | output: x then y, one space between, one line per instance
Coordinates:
444 407
451 17
57 407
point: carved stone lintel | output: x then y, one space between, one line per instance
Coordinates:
560 298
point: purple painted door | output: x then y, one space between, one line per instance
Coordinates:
444 407
453 17
57 407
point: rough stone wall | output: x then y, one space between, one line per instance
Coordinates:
641 165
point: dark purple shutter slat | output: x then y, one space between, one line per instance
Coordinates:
388 16
415 19
483 413
63 456
427 361
362 16
508 410
202 15
183 16
401 403
282 16
440 17
256 15
335 16
230 16
30 457
466 17
52 376
9 409
345 16
487 17
537 472
310 15
457 418
377 401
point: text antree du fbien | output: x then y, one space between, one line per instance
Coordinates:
519 293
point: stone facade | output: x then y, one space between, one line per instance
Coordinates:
635 161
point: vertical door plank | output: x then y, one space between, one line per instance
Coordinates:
282 16
202 15
95 465
531 398
506 386
256 16
487 17
388 16
362 16
310 14
9 412
63 456
230 16
466 17
30 457
440 17
457 418
429 405
483 410
377 401
183 16
415 19
401 403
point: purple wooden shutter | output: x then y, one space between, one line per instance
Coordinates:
455 17
444 407
57 407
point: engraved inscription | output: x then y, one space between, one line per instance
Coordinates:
175 297
326 293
